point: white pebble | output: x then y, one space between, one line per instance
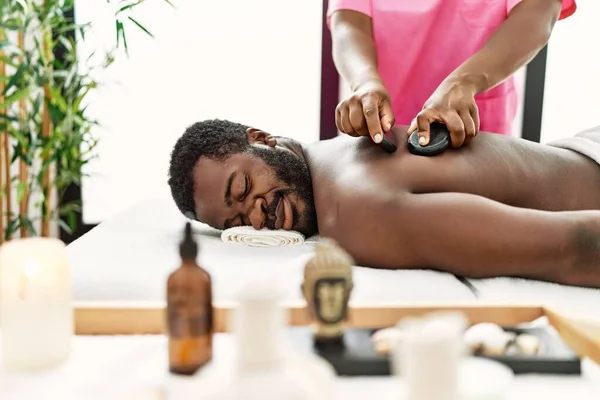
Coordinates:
528 344
385 339
477 335
497 345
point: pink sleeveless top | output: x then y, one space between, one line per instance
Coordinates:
420 42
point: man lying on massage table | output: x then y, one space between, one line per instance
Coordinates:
499 206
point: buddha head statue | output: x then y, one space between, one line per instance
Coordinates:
327 287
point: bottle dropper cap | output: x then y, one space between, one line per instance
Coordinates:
188 248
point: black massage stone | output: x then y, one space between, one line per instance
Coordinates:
439 141
387 145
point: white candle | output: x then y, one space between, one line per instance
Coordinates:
428 356
36 313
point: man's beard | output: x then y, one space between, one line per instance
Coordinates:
294 173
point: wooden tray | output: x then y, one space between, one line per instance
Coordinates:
134 318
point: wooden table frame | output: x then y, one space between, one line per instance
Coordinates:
134 318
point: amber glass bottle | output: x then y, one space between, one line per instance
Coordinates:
189 311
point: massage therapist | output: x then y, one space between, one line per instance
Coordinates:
413 62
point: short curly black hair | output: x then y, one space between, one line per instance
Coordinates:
215 139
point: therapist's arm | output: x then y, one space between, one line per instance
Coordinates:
354 52
368 110
515 43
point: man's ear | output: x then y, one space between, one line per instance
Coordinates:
261 137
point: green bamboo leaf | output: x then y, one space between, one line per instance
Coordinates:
9 117
11 227
15 78
119 26
21 188
56 115
141 27
10 25
21 139
5 44
58 98
16 96
64 226
16 154
35 109
26 221
70 208
128 6
121 36
72 217
8 61
24 5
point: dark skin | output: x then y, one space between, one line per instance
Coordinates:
368 111
499 207
239 191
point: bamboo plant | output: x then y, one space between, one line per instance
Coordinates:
45 129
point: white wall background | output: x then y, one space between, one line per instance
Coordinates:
572 100
257 62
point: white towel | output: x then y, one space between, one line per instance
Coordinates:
581 144
264 238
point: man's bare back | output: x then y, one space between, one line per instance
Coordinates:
498 207
512 171
472 211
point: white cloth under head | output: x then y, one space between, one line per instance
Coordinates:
264 238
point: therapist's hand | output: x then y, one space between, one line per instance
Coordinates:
453 103
368 111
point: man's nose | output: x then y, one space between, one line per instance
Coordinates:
257 215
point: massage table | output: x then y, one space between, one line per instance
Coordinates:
129 256
127 259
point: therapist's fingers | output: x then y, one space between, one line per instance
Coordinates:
341 117
468 123
413 126
456 127
424 119
357 119
338 118
474 111
386 115
370 111
345 121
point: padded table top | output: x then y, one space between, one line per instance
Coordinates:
129 256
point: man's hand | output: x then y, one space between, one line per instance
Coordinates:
453 103
367 111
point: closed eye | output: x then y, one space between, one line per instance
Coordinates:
246 188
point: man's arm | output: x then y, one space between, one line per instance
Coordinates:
469 235
526 30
